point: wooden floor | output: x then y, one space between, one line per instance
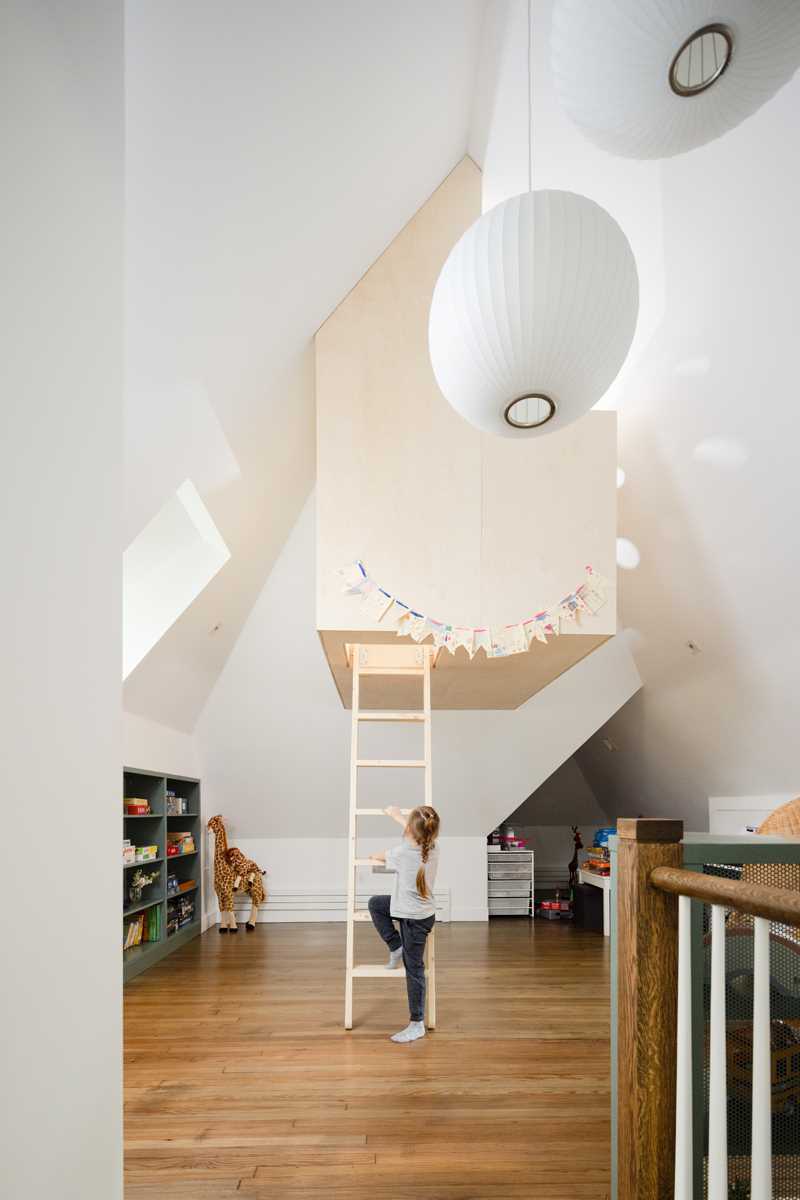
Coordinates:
240 1081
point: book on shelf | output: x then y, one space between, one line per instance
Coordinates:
143 927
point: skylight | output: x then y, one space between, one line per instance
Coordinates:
165 568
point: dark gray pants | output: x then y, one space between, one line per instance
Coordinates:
411 937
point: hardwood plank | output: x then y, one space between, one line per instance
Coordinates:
508 1098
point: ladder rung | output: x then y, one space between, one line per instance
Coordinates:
377 971
378 812
365 862
391 716
391 762
418 671
362 914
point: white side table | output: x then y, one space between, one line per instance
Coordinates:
604 882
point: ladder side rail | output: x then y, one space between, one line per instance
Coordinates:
426 708
351 855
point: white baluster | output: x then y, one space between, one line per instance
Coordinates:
684 1149
717 1099
761 1155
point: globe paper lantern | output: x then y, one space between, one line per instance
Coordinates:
533 313
653 78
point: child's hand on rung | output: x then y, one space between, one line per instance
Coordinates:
397 814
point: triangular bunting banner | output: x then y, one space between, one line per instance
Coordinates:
379 605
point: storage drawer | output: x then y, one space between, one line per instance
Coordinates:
507 908
508 887
509 856
511 872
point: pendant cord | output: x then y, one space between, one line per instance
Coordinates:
480 543
530 102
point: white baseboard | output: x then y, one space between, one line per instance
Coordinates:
480 913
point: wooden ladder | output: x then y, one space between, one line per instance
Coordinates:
382 659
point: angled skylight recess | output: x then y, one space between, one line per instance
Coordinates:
165 568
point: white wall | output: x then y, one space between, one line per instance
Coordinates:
60 512
154 747
708 426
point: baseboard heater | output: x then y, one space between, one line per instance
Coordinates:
320 906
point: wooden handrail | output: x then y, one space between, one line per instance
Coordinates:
754 899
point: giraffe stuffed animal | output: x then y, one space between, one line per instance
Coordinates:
232 873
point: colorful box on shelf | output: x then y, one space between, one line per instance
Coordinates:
180 843
146 853
128 854
136 808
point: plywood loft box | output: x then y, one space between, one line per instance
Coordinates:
465 527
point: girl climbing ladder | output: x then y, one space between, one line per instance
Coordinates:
411 904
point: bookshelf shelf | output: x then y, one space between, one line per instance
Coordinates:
152 913
135 908
147 862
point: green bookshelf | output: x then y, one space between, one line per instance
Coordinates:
177 923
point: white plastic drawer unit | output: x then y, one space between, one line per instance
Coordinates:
509 908
509 887
509 872
510 882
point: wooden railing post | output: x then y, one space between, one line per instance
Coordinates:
647 958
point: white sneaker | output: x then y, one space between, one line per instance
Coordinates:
414 1030
395 959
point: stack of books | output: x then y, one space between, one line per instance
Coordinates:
180 843
144 927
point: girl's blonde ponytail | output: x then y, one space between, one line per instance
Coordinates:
423 825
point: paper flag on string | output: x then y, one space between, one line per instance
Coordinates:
375 603
482 641
417 627
460 636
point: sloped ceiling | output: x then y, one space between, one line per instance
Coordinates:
273 151
708 430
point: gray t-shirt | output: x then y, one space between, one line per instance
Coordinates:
406 860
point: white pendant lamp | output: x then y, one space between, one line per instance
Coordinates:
533 313
534 310
654 78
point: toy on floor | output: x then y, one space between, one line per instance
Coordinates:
232 873
573 862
